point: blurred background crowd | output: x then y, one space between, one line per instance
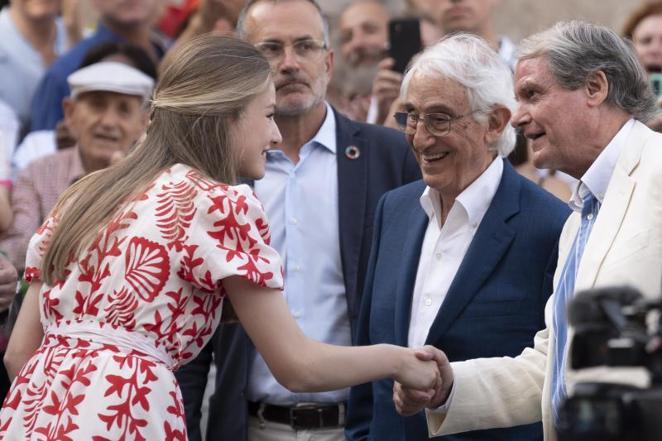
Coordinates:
49 139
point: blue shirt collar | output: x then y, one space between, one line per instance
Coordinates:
325 137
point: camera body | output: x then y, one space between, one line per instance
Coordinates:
614 327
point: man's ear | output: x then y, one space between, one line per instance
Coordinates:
329 63
497 120
597 88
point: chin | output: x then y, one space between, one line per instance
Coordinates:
254 175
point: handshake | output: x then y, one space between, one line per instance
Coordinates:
425 384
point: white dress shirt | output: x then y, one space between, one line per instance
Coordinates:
595 180
444 246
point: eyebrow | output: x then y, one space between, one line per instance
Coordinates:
432 108
527 86
294 40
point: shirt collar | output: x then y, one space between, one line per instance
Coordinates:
326 135
596 179
474 200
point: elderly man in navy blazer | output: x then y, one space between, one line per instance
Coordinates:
463 259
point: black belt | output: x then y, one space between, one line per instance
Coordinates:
303 417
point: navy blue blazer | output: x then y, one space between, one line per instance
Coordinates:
494 306
384 162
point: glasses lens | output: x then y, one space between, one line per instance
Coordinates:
308 48
270 50
401 118
438 123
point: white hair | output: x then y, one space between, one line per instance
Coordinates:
468 60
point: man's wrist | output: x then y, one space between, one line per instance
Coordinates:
445 404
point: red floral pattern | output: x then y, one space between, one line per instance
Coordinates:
154 273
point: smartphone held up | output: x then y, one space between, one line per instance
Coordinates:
404 41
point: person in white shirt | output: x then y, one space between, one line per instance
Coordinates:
583 97
463 259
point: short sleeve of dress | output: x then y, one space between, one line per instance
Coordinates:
37 248
230 237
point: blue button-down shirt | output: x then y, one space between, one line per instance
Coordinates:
301 201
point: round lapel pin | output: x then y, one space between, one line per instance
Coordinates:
352 152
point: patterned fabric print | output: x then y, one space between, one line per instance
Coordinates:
154 271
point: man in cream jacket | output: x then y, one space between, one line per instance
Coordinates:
582 99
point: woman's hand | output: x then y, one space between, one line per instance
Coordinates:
409 401
414 373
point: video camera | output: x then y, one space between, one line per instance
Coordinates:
614 327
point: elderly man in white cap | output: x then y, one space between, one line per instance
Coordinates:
107 114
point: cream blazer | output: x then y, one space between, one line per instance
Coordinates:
625 247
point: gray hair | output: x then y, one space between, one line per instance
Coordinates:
241 22
468 60
575 50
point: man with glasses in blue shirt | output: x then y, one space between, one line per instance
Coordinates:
320 190
463 259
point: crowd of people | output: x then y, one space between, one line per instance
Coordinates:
356 253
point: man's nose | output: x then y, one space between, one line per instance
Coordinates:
109 117
289 60
421 138
520 117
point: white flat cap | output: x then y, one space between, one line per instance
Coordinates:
110 76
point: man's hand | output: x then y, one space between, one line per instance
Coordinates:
386 88
8 277
410 401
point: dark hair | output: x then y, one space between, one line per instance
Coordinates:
138 57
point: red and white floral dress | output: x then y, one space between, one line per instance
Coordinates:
143 300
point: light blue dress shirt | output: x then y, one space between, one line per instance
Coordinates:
301 201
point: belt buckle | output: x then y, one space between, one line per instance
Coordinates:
306 408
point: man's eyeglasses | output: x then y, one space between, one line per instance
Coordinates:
437 124
304 49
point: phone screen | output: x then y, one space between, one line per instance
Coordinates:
404 41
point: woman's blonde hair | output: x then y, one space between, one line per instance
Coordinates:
208 83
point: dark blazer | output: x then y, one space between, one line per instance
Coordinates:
384 162
494 306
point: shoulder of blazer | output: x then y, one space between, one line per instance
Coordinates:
404 195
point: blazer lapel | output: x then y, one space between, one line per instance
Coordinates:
411 254
613 209
487 248
352 161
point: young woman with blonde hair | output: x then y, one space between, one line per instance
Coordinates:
130 271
